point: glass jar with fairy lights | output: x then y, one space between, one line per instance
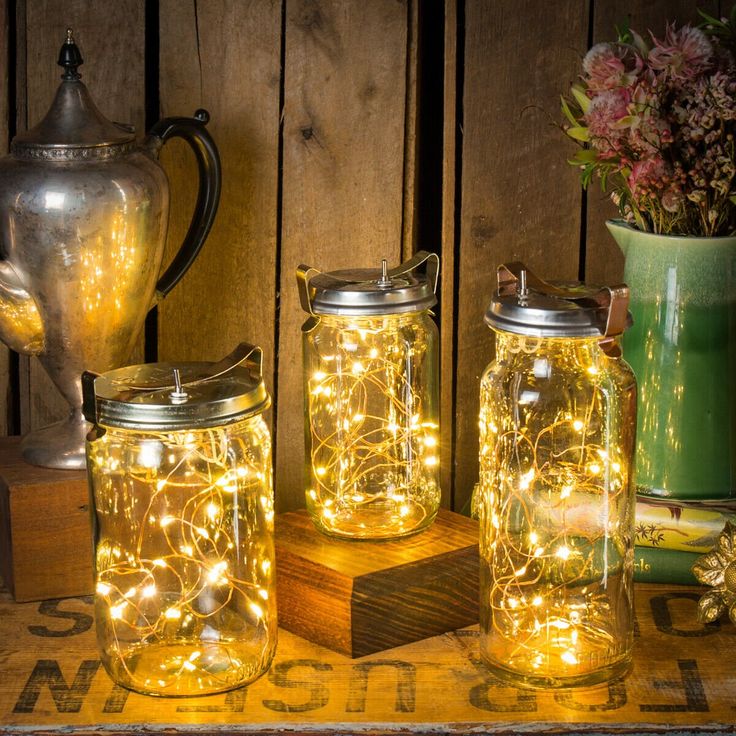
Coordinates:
371 399
179 466
555 501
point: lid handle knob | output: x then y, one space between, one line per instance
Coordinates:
522 290
178 395
384 281
70 58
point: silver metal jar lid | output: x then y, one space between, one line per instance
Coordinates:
526 305
168 396
370 291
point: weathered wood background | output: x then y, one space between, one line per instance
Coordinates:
349 131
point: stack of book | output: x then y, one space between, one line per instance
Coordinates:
672 534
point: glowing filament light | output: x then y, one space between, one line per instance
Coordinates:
372 426
256 609
552 499
116 612
178 585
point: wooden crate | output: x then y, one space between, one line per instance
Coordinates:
683 681
45 531
363 597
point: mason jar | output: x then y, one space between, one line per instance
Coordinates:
179 467
556 503
371 399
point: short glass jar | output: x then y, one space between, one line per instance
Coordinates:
179 466
371 399
556 505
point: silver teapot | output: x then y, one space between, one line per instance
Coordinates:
83 219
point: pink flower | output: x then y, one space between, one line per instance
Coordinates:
649 131
648 176
606 109
611 65
683 55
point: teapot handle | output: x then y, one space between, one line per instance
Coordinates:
192 130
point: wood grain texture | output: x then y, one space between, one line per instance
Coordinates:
449 325
412 151
362 597
343 173
604 262
110 36
683 682
225 57
520 199
45 535
5 387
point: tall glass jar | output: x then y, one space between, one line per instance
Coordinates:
179 466
371 399
556 505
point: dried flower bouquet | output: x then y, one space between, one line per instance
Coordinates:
656 123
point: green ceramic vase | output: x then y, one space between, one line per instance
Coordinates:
682 348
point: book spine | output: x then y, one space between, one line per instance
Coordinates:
664 566
677 525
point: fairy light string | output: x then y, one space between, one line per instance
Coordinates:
184 554
552 507
373 443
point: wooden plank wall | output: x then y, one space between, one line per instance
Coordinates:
5 384
344 122
319 108
224 57
519 199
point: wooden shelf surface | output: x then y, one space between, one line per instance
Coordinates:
683 681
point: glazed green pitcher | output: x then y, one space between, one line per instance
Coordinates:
682 348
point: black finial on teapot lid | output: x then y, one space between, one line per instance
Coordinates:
73 129
70 58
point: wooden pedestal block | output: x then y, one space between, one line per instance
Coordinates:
363 597
45 533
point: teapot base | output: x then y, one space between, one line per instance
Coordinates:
59 445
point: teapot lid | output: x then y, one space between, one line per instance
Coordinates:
73 128
173 396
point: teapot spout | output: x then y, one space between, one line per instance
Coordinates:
21 328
